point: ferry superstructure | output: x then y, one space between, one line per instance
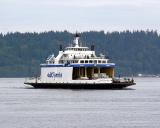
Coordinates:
78 67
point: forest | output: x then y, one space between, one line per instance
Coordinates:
133 52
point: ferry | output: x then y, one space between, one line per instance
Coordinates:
78 67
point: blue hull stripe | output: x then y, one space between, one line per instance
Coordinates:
79 65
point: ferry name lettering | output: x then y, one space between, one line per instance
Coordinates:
53 74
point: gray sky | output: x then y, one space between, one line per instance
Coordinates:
78 15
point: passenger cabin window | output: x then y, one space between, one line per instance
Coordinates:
103 61
95 61
90 61
75 61
99 61
86 61
82 61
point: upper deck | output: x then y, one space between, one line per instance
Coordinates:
77 55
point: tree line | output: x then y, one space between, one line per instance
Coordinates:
133 52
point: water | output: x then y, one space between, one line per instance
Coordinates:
24 107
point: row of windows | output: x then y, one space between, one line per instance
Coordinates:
93 61
78 49
68 62
85 61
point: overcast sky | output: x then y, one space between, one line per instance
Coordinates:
78 15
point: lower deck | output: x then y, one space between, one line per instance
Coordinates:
78 77
92 72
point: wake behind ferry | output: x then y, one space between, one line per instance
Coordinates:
78 67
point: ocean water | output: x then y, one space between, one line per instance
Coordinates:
25 107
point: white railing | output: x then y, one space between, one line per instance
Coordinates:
32 80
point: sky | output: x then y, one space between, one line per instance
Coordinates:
79 15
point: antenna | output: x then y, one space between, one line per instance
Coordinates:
92 47
77 34
60 47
